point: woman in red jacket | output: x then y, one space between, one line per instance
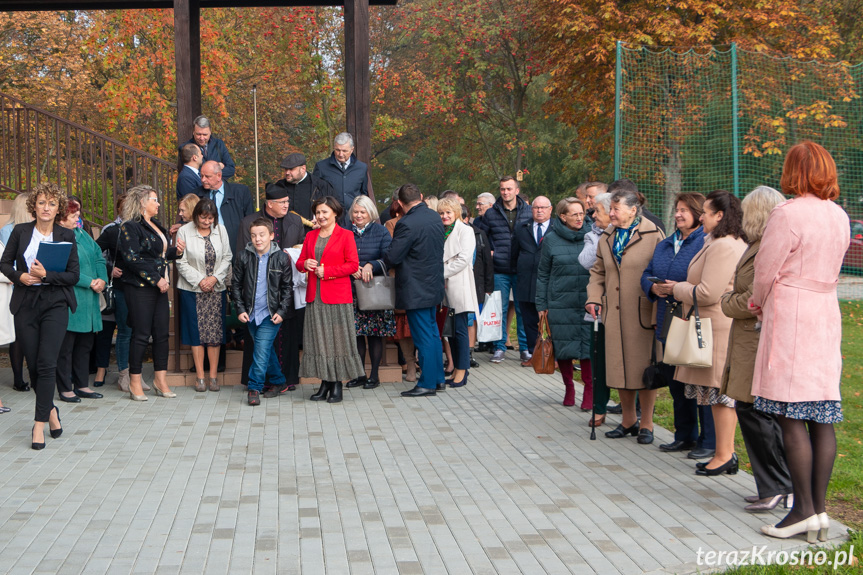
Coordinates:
329 338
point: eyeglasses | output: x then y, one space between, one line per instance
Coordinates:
281 202
540 207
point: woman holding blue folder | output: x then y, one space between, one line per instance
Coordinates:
43 296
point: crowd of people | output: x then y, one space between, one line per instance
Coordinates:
597 268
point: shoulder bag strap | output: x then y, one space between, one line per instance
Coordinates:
701 344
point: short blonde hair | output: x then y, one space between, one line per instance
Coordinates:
757 206
20 214
367 204
51 192
431 201
450 204
564 205
189 202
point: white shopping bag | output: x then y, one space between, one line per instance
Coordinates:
490 326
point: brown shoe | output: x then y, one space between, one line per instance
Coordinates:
527 363
600 419
123 380
200 385
214 384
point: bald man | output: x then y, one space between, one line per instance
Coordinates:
525 254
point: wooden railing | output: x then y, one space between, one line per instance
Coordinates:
38 146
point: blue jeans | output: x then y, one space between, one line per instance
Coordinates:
427 340
124 332
504 283
265 363
707 437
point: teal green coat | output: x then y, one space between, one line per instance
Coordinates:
561 288
87 318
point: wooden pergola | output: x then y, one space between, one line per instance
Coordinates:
187 40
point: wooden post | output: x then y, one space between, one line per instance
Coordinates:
357 79
187 53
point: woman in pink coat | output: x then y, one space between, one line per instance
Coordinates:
799 361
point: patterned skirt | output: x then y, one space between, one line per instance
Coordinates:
705 395
330 342
817 411
380 323
202 318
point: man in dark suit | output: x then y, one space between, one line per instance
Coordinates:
525 255
302 188
212 148
289 231
189 178
416 254
233 201
348 176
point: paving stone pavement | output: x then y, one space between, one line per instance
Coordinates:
495 477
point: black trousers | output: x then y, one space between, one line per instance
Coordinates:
102 344
148 316
685 410
460 342
73 365
40 326
291 338
530 321
763 438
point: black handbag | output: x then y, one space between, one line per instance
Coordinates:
107 299
448 326
673 309
653 378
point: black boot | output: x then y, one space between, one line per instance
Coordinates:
335 392
323 391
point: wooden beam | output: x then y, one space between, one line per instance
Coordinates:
187 53
62 5
357 79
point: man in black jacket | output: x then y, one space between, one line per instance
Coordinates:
302 188
212 148
526 251
234 201
288 231
348 176
499 222
416 253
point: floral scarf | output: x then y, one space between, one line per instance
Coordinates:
622 237
448 230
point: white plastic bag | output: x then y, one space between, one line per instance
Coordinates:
490 322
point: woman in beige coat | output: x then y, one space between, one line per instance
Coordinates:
761 432
709 277
458 252
623 252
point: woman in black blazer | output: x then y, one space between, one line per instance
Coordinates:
145 249
43 297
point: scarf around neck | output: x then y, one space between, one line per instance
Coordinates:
622 237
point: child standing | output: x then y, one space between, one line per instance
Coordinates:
262 290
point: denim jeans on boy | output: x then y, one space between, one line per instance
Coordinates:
266 362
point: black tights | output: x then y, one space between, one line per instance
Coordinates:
810 454
376 351
16 358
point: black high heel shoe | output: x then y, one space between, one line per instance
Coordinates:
621 431
730 467
55 433
323 391
453 383
34 445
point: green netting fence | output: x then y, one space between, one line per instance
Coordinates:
723 118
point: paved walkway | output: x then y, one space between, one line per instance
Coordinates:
496 477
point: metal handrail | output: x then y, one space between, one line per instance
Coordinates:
37 146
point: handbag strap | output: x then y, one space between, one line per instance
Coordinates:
384 266
701 343
114 263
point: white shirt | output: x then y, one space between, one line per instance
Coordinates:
544 227
33 247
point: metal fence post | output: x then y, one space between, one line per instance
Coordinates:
735 128
617 120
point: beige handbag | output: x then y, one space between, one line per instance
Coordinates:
690 340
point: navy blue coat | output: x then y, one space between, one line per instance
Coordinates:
218 152
346 185
187 182
372 245
416 253
495 224
236 206
667 265
525 259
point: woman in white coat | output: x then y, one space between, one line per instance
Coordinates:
458 255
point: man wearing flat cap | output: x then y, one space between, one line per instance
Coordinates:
301 188
289 231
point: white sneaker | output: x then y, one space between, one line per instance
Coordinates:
498 356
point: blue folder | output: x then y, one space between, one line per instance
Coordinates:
54 255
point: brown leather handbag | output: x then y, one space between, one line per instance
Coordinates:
543 351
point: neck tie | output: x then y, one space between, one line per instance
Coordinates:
213 195
538 234
344 166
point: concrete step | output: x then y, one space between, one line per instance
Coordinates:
233 376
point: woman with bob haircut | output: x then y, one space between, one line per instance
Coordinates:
708 278
41 299
761 432
799 362
329 335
